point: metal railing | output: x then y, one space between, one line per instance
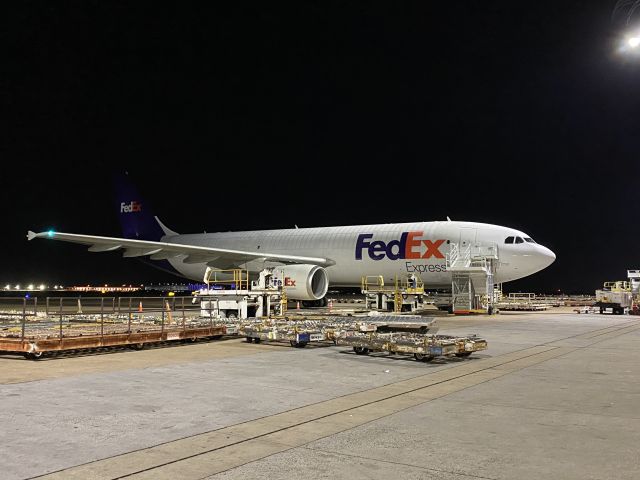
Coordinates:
471 256
63 317
232 279
372 283
619 286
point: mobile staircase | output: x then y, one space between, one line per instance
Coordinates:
472 268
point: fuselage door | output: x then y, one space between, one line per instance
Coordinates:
468 235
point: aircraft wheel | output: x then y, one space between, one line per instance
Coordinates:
361 350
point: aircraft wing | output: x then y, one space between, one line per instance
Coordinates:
212 256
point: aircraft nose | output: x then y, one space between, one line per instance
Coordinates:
546 256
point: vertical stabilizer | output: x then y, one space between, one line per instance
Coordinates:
136 216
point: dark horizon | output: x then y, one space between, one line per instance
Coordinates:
522 117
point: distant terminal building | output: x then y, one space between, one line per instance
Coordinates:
174 287
105 288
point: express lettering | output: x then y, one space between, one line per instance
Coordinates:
411 268
408 246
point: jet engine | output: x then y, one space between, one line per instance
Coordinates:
303 282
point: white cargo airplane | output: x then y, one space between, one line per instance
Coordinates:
313 258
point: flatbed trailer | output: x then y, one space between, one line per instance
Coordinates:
34 347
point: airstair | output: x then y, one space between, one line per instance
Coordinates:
472 268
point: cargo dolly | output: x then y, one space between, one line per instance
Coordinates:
298 334
300 331
423 347
393 335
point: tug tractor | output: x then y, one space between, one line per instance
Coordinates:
615 295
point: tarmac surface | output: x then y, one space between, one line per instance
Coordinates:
555 396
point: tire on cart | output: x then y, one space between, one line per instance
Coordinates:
34 355
295 344
463 354
361 350
421 357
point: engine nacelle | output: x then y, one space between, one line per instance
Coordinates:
303 282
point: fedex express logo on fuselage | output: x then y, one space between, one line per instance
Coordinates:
131 207
407 246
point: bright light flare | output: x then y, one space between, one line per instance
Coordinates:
633 42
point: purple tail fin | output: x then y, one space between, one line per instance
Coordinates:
136 217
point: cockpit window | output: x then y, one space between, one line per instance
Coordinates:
519 240
529 240
509 240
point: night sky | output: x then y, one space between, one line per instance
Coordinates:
520 114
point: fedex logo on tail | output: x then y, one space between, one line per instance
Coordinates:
407 246
130 207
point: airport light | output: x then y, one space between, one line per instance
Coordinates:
41 287
7 287
18 287
630 44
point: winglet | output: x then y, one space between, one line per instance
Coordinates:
31 235
167 231
448 219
